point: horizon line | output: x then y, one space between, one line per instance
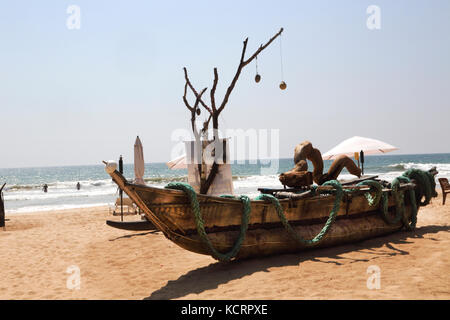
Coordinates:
159 162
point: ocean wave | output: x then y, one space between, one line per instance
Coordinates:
443 168
160 180
60 185
33 209
399 166
59 194
97 191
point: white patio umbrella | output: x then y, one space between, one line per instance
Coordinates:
139 165
358 144
177 163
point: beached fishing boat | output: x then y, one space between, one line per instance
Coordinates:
282 220
277 221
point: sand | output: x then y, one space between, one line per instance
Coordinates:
37 252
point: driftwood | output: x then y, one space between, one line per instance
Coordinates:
2 207
300 176
214 109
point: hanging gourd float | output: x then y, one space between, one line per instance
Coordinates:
283 85
257 77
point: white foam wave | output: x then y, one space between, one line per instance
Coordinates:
257 182
33 209
64 195
443 168
57 194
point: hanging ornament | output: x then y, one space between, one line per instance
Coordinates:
282 84
257 77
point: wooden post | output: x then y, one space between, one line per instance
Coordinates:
361 158
121 192
2 208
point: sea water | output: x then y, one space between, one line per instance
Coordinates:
23 192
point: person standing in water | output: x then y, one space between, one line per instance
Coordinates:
78 186
45 187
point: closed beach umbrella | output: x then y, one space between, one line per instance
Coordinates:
139 166
177 163
358 144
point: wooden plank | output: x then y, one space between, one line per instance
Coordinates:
140 225
275 190
345 183
355 181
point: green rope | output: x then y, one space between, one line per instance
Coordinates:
399 198
398 195
427 186
376 187
200 225
426 182
328 224
424 179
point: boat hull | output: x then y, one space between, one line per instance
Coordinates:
263 242
170 212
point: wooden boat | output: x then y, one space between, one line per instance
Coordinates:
170 211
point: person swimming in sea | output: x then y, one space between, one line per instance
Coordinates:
78 186
45 187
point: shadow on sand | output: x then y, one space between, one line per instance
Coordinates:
215 274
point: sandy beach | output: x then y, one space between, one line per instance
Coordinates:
38 252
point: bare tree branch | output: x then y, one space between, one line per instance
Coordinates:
242 64
262 47
206 124
184 97
213 91
235 78
195 91
194 115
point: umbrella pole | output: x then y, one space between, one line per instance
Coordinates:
361 158
121 192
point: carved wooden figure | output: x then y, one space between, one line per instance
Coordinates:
299 176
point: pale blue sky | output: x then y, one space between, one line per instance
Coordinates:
71 97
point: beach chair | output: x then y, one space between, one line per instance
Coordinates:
127 204
445 188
